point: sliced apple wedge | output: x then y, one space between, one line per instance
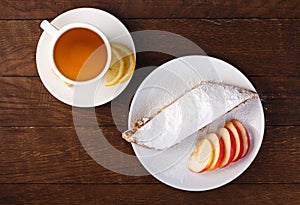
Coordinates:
229 146
238 141
202 157
244 134
218 149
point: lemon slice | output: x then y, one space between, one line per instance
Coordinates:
129 61
116 70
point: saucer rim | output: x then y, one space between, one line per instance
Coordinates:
41 44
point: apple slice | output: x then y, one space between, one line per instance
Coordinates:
229 146
202 157
218 149
238 141
244 134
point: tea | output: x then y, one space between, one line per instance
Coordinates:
80 54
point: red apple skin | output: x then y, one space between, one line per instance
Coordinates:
241 148
239 125
227 125
221 156
232 148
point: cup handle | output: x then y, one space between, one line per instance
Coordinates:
48 28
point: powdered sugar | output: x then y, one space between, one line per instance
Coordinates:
246 113
170 166
194 110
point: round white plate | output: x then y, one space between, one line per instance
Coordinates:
161 87
93 94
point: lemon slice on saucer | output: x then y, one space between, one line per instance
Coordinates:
129 61
116 70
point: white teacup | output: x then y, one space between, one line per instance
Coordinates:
90 75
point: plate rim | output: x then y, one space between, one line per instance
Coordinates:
255 151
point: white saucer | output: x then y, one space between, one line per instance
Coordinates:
162 86
93 94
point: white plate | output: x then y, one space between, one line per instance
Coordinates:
162 86
93 94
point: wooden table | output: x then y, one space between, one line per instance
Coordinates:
41 158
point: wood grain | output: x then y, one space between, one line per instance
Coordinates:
26 102
36 9
247 44
146 194
55 155
41 158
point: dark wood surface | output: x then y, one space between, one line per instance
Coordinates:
41 158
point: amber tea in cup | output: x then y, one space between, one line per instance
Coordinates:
79 53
